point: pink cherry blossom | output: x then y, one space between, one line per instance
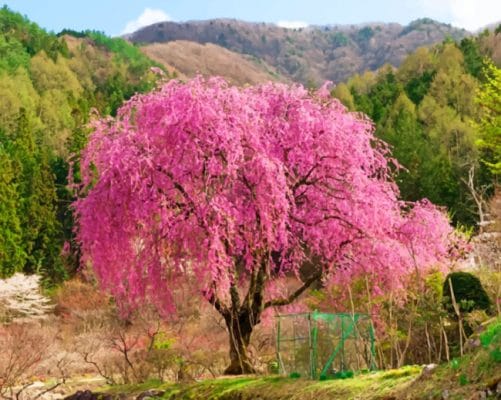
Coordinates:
238 189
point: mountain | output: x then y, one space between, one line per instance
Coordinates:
309 55
186 59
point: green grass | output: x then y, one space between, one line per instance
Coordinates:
477 371
467 375
377 385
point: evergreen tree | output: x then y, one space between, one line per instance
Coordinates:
37 205
403 131
12 255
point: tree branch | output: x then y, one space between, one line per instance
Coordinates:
257 295
218 305
293 296
235 297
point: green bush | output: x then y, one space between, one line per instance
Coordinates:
468 291
492 335
463 380
491 339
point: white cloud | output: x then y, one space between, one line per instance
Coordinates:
148 17
292 24
468 14
475 14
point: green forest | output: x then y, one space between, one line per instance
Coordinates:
440 112
51 86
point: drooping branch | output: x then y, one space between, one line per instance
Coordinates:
184 193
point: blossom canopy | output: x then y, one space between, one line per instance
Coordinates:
237 188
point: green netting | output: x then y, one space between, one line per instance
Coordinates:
322 345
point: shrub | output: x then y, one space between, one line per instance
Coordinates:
26 350
468 292
491 339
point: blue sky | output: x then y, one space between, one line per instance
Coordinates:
118 16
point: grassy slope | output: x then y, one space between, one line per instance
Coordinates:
403 383
370 386
462 379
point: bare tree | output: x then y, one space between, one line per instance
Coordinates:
23 348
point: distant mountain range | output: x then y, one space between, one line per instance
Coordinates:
309 55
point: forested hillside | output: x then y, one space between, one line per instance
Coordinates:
49 86
431 111
309 55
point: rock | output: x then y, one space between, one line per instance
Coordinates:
445 394
428 370
88 395
473 343
150 394
430 367
498 388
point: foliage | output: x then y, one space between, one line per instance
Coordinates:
418 86
268 178
47 94
37 208
472 57
127 53
492 335
338 39
468 292
489 98
12 256
365 34
14 27
13 54
491 340
427 111
408 320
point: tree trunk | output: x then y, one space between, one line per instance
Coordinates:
240 329
241 317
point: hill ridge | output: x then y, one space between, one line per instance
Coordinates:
313 54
